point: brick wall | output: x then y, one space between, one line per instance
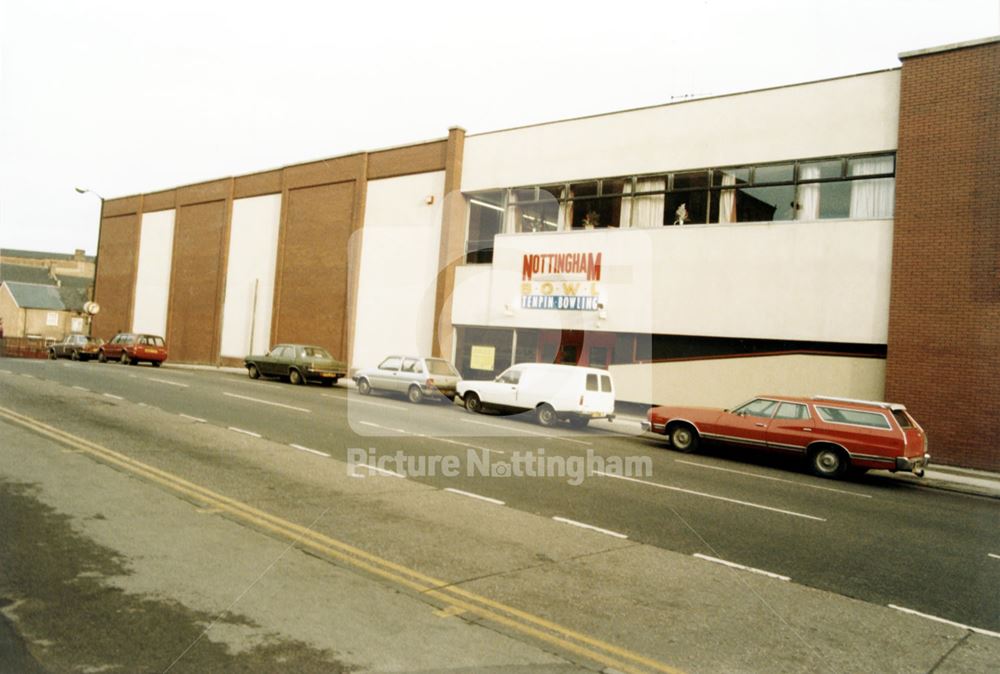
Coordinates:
944 316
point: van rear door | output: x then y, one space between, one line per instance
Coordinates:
598 398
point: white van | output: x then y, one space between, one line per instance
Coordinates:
554 392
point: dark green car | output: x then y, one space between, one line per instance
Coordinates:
298 363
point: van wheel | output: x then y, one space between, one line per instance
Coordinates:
472 403
828 461
546 415
295 377
253 372
415 395
364 388
684 438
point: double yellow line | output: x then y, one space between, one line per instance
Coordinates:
456 600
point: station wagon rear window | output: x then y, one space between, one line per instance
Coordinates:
839 415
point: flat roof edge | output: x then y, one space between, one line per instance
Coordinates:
950 47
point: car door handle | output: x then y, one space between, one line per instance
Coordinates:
807 429
760 424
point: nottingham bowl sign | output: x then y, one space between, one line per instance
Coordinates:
560 281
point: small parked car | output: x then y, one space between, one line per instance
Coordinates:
76 347
298 363
417 377
130 348
553 392
835 435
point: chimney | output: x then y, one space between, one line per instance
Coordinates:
78 254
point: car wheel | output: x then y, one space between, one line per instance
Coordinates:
253 371
546 415
75 355
415 395
579 422
364 388
101 358
473 403
684 438
828 461
52 354
156 363
125 360
295 377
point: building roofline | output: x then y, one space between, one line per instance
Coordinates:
684 101
950 47
282 167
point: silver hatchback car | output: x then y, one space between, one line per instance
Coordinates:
417 377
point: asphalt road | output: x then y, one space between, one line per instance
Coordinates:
881 541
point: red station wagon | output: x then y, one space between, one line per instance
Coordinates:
130 348
834 434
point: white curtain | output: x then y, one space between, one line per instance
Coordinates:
808 194
565 218
872 198
644 210
510 223
727 199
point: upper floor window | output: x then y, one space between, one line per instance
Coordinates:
856 187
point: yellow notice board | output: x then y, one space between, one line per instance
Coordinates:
482 357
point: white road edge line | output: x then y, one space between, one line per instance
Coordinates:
167 381
712 496
431 437
589 526
768 477
990 554
240 430
351 400
198 419
6 371
383 471
306 449
266 402
80 388
529 432
977 630
471 495
734 565
111 395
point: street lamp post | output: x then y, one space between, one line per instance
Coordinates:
97 256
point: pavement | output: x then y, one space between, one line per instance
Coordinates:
951 478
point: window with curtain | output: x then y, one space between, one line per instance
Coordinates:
646 207
874 198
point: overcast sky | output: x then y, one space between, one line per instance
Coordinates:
129 97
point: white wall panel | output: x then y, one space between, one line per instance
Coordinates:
842 116
815 281
152 280
253 249
399 265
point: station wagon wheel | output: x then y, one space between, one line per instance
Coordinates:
415 395
364 388
828 461
156 363
253 371
546 415
125 360
683 438
472 403
295 377
101 358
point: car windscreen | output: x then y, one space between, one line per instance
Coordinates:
316 353
440 367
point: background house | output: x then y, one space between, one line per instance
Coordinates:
42 294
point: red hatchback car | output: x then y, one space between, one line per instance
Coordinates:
130 348
834 434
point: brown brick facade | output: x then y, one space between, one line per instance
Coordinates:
944 317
